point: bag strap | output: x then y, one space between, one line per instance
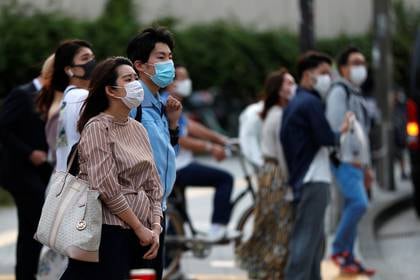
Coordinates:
347 90
139 113
73 156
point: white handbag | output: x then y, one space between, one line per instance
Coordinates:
354 144
71 218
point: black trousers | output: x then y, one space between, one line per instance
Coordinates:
157 263
119 252
28 194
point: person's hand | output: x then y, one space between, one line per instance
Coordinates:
173 111
154 248
348 118
38 157
218 152
144 235
369 178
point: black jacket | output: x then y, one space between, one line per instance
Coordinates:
304 130
21 132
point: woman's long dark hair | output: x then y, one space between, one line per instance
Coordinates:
105 74
63 57
272 86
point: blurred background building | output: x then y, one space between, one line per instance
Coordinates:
334 17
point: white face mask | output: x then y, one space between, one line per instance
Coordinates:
134 94
183 87
322 84
358 74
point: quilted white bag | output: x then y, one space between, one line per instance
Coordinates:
71 218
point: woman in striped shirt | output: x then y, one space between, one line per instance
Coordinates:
116 159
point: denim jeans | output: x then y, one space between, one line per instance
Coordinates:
199 175
350 181
308 235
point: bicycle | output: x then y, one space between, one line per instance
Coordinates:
177 242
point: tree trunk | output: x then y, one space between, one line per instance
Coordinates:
307 41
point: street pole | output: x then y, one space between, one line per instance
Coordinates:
382 66
307 37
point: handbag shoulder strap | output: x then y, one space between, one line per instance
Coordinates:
71 167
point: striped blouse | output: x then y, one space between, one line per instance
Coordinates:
116 159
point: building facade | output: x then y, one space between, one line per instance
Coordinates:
332 17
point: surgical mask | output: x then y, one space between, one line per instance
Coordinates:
164 73
88 69
183 87
358 74
134 94
322 84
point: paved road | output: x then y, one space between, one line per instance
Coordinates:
219 265
400 243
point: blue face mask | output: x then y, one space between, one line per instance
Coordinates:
164 73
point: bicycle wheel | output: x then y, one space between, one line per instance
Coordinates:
173 248
245 226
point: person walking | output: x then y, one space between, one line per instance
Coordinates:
151 54
305 135
73 65
353 173
116 159
194 137
264 254
250 127
25 171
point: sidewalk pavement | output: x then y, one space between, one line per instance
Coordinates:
384 206
220 264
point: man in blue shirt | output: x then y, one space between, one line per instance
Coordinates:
151 53
305 134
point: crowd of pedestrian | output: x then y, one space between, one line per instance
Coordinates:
316 132
124 119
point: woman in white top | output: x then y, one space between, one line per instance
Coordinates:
264 254
73 66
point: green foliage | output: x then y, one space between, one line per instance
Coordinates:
405 23
29 36
233 58
335 45
226 55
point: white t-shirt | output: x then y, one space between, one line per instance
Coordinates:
319 171
67 124
250 126
270 137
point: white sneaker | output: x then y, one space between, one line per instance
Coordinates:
216 233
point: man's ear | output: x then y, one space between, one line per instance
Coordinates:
138 66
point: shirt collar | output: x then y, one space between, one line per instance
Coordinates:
150 99
37 84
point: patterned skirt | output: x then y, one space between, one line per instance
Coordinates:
264 255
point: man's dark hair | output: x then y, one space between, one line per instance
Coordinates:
311 60
343 57
142 45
